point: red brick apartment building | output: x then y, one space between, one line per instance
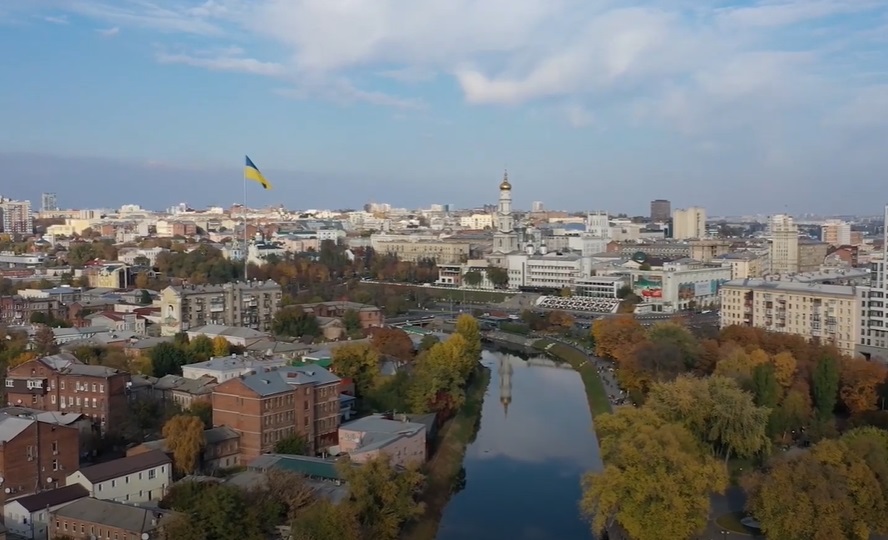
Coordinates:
62 383
371 316
35 455
267 406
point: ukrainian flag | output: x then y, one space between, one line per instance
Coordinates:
251 172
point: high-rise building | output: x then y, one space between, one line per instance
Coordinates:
48 202
661 210
836 232
15 217
784 254
537 206
873 341
689 223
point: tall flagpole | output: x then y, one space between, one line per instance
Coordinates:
246 233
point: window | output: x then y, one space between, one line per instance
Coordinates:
94 403
78 401
9 383
113 483
62 385
101 388
52 399
151 474
94 387
55 464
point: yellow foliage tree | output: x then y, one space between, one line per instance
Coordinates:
184 436
467 327
734 363
785 366
616 336
221 347
141 365
859 384
657 478
26 356
758 357
359 362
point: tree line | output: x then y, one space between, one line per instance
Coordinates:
749 396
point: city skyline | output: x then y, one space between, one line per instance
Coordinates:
740 108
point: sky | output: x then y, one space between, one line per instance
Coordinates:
739 106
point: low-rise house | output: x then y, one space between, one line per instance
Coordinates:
224 368
370 316
119 321
28 517
279 349
402 441
132 479
221 449
184 391
143 345
235 335
94 519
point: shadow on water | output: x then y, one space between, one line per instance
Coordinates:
522 473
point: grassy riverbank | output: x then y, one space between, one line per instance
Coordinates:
595 392
443 469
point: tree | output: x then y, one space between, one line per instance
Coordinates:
292 489
184 436
735 363
859 384
764 386
21 358
44 342
427 342
825 386
167 359
202 410
392 342
499 277
828 492
294 444
473 278
467 327
657 479
201 348
677 336
784 368
439 378
793 414
717 411
324 520
351 320
381 497
358 362
655 363
615 336
145 297
221 346
295 321
560 320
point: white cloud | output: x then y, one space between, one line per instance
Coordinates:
56 20
229 60
691 66
109 32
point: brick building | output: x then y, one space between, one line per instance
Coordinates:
371 316
266 406
62 383
94 519
18 309
35 455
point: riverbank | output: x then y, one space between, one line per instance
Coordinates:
596 394
443 470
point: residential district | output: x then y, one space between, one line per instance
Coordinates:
240 373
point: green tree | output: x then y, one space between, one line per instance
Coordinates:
167 359
657 478
765 387
326 521
351 320
671 334
204 411
473 278
295 321
499 277
427 342
825 386
200 349
381 497
145 297
294 444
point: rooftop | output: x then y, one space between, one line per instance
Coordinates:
237 363
309 466
52 497
222 330
279 380
379 431
113 515
124 466
794 287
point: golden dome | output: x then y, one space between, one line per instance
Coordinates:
505 185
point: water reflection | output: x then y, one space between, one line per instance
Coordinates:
523 470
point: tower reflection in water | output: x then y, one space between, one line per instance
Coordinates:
505 375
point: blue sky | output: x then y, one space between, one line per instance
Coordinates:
742 107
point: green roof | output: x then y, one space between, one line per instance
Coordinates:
308 466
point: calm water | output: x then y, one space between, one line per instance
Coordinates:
523 470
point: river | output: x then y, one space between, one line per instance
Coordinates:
524 468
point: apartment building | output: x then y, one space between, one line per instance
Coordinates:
35 455
784 236
836 232
17 310
442 251
873 342
62 383
689 223
661 210
249 304
132 479
743 264
16 217
819 312
264 407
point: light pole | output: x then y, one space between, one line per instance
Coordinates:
725 533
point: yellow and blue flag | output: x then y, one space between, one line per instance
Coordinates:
251 172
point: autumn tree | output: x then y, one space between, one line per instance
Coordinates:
142 281
764 386
201 348
560 320
290 488
615 336
734 363
44 342
677 337
793 413
785 366
358 362
828 492
825 387
859 384
428 341
324 520
439 378
221 346
381 497
184 436
393 342
657 479
717 411
467 327
202 410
